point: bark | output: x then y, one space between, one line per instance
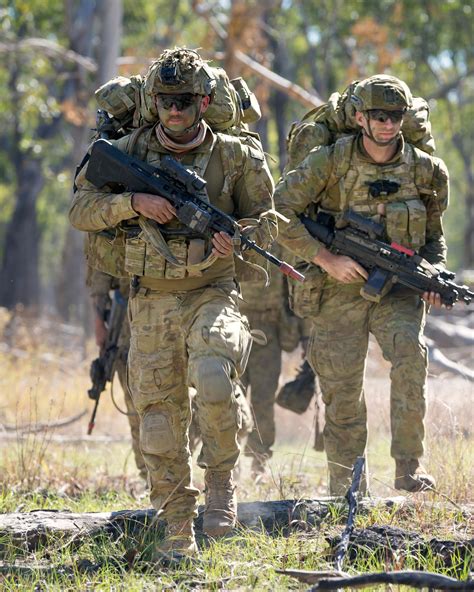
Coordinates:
36 529
72 298
463 144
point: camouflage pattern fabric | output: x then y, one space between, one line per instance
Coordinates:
341 318
266 311
100 285
186 331
186 339
337 351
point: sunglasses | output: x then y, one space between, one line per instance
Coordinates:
382 116
181 102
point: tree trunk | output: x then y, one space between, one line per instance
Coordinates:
73 302
20 276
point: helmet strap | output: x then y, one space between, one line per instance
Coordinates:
370 135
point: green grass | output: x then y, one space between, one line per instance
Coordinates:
39 473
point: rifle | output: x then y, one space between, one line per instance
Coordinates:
180 186
103 368
387 264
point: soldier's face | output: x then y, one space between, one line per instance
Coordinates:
382 131
179 112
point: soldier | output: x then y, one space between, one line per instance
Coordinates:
332 179
100 284
186 328
268 313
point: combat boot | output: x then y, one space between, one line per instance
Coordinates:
179 542
220 512
411 476
297 394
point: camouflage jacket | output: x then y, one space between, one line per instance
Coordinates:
238 182
412 214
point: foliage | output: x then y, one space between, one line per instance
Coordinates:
325 44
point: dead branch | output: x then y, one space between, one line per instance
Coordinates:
41 427
445 88
62 439
417 579
309 99
51 49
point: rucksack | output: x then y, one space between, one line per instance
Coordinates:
233 105
124 108
324 125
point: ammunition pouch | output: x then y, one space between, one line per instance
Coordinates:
304 298
406 223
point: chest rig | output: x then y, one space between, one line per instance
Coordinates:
174 251
390 193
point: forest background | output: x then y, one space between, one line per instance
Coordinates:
55 53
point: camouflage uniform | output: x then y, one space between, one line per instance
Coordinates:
342 319
186 328
267 312
100 284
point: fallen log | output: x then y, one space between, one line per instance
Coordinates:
35 529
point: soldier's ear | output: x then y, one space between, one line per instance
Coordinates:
205 104
360 118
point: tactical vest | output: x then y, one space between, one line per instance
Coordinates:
148 252
410 179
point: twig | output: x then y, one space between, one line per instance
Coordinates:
417 579
41 427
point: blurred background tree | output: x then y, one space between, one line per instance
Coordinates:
292 54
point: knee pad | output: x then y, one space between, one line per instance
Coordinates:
212 377
157 433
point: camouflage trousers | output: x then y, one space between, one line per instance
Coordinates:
245 414
178 340
132 415
262 374
337 351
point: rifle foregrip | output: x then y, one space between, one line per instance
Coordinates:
291 272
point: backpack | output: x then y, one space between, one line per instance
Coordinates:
334 123
233 105
324 125
124 108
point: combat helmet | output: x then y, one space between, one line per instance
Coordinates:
381 92
178 71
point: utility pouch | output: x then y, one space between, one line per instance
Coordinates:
406 223
396 214
416 223
105 251
305 297
135 250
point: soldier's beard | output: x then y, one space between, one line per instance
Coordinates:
177 134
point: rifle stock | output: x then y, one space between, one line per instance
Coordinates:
387 264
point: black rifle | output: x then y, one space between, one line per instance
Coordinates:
351 497
180 186
103 368
387 264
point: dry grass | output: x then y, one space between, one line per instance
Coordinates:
44 377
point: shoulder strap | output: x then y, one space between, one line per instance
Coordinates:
133 139
424 171
231 151
341 159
